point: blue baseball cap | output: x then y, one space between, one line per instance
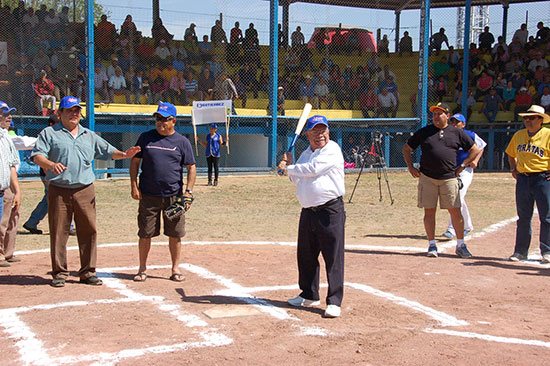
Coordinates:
69 102
166 109
213 125
459 117
6 108
315 120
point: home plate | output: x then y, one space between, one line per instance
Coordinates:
231 312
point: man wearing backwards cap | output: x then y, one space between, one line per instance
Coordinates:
529 158
319 178
466 175
438 173
164 154
66 152
9 159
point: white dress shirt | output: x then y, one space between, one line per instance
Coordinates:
318 175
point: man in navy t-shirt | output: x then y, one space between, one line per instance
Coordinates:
163 157
438 173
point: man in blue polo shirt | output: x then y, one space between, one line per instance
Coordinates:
164 154
66 151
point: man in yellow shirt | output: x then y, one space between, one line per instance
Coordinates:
529 157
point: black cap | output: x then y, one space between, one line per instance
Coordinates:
444 107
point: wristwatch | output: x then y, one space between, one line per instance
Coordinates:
189 191
462 165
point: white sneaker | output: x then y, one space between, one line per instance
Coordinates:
332 311
300 301
545 258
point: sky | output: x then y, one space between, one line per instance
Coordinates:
178 14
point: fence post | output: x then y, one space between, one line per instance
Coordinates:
273 82
90 90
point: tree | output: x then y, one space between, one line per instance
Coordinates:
59 4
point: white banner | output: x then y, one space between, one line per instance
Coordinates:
215 111
4 53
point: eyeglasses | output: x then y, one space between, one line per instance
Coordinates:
530 118
5 114
163 119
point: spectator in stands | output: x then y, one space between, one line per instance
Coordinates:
341 92
470 102
251 36
128 28
191 88
515 48
538 78
508 95
523 102
192 49
239 86
440 88
224 89
545 99
101 81
145 50
176 92
206 51
64 15
23 92
162 52
391 86
233 48
517 79
384 46
51 19
191 32
305 59
41 60
492 103
251 51
141 86
388 104
159 87
441 68
217 34
117 85
521 35
307 91
113 66
125 62
369 102
500 58
177 49
543 34
545 83
486 40
248 77
159 31
500 43
484 84
537 61
169 72
297 39
454 57
179 63
41 13
500 83
206 85
531 89
405 44
437 40
215 66
6 84
263 80
31 18
280 101
19 11
105 36
44 90
322 94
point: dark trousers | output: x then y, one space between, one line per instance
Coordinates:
213 161
322 231
531 189
63 203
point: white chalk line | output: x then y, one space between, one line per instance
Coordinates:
490 338
489 229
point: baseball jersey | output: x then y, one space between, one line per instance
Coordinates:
163 159
532 153
439 149
462 155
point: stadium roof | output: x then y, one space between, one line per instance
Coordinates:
398 5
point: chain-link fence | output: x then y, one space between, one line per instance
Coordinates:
358 67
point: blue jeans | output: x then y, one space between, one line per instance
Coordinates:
41 209
491 114
531 189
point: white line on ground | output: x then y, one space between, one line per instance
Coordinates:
491 338
479 234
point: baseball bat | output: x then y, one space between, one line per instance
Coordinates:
299 127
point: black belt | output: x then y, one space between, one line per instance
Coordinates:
325 205
531 174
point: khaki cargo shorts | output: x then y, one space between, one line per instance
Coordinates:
430 190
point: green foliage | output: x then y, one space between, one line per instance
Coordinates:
59 4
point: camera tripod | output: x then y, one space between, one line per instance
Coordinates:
376 157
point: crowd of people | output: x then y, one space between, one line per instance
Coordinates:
503 77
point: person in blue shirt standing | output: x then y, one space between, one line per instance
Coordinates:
212 144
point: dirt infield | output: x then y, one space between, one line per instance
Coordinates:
400 307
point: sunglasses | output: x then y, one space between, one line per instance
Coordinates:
530 118
160 118
5 114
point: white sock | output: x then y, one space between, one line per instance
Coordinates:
431 242
459 242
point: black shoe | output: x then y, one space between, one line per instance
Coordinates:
92 280
13 259
58 282
215 182
32 230
209 182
